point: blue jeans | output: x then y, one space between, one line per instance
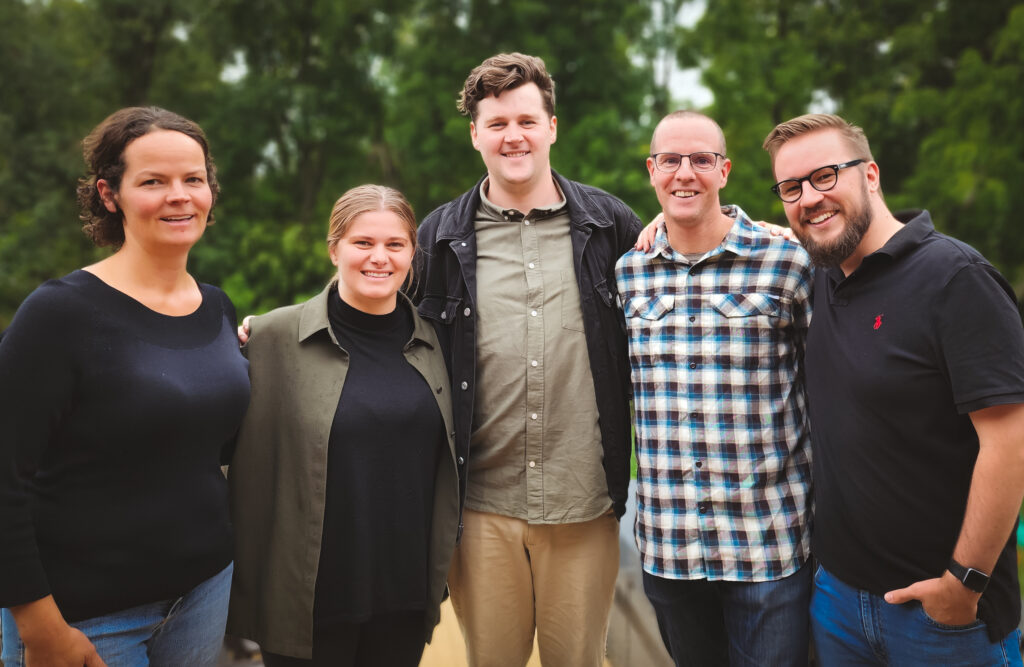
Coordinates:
185 631
733 622
854 627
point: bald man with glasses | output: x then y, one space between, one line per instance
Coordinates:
717 311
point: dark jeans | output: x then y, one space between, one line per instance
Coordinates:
855 627
705 623
386 640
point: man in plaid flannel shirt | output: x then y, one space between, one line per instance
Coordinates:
717 312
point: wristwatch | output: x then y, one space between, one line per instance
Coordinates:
976 580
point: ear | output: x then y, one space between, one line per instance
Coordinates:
554 128
726 168
650 169
332 251
107 195
874 177
472 135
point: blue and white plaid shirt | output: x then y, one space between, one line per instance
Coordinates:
723 443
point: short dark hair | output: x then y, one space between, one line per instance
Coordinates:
502 72
103 150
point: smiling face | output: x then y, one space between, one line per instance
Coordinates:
688 197
831 225
164 196
373 260
514 133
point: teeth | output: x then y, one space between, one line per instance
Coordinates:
376 274
178 218
684 193
517 154
821 218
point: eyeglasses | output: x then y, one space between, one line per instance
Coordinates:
822 179
670 162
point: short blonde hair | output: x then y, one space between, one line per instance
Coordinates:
812 122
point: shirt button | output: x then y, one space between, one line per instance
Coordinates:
693 415
693 318
444 316
693 364
439 390
533 464
463 244
702 508
466 312
530 265
526 222
534 363
462 461
465 385
700 464
533 416
533 313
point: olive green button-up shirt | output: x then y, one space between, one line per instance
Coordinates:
536 446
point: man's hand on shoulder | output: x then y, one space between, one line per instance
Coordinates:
776 230
945 599
646 239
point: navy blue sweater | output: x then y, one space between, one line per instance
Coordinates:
113 420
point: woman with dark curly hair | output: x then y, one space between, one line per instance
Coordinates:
122 384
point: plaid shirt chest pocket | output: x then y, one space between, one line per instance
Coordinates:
750 327
654 328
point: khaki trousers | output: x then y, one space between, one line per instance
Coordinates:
509 578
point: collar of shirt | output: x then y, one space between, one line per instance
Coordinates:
740 239
916 226
494 212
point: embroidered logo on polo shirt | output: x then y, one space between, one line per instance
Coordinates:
878 321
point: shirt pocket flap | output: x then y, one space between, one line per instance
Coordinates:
745 305
439 308
650 307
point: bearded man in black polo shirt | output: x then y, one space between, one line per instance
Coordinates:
915 379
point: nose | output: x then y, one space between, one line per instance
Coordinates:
685 170
809 197
177 192
377 255
513 135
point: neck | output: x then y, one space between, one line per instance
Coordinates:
524 197
698 236
883 227
161 282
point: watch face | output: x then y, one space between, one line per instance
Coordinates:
975 580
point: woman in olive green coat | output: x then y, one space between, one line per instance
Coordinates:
344 489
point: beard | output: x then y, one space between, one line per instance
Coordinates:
858 221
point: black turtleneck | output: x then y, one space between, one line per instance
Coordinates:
382 456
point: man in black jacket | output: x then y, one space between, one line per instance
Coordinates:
518 274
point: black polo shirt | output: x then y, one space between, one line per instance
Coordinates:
899 353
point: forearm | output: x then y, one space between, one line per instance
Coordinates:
997 487
38 621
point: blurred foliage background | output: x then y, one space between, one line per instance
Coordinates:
303 99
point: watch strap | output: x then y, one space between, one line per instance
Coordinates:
976 580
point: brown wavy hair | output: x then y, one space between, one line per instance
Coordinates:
502 72
103 150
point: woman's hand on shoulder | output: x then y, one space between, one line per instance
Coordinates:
244 329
